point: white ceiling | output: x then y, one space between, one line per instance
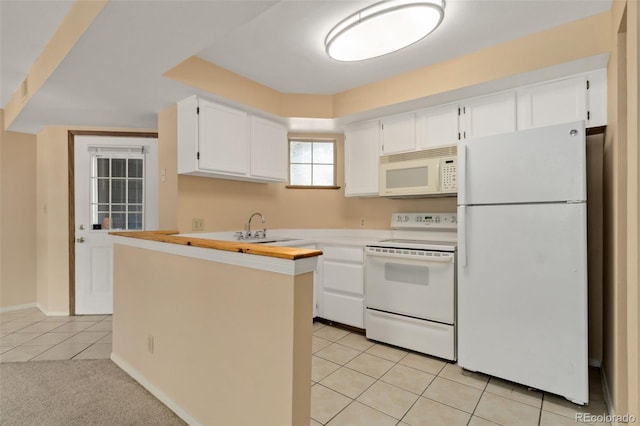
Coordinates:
113 76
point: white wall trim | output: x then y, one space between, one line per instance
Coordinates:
18 307
155 391
52 313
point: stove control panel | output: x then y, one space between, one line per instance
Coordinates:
424 221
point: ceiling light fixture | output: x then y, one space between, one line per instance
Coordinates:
383 28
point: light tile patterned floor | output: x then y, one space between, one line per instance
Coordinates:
29 335
355 381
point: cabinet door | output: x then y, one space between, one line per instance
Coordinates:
223 142
268 149
361 160
552 103
398 134
597 98
489 115
437 126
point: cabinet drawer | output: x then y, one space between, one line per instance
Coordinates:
423 336
344 254
344 309
344 277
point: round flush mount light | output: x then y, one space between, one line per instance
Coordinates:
383 28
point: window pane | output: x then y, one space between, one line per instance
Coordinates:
118 165
322 175
300 152
101 217
103 207
119 208
135 221
135 191
103 190
135 167
135 208
323 152
103 167
118 221
300 174
118 191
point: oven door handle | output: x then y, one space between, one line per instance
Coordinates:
444 259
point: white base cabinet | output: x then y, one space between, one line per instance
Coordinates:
342 289
219 141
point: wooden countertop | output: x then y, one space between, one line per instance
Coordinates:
289 253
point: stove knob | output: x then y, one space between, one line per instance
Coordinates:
406 219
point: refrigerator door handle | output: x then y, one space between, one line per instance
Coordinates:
462 236
462 173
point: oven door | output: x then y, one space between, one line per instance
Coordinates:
415 283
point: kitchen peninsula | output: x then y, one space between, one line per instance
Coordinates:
210 327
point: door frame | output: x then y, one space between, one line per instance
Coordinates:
71 134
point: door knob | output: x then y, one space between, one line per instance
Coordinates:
80 240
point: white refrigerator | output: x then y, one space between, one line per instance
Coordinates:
522 258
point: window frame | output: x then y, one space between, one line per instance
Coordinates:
334 164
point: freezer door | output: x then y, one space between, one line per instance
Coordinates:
522 295
537 165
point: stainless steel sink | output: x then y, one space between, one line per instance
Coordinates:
270 240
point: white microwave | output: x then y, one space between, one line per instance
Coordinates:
420 173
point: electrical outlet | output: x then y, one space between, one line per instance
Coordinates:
150 343
362 223
197 224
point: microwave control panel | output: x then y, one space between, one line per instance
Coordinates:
449 175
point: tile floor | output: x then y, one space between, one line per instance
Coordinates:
355 381
29 335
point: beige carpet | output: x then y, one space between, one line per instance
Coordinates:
82 392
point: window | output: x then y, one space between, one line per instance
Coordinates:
312 163
117 191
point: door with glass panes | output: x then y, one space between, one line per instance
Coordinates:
115 189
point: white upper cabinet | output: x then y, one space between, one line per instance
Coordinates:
223 141
398 134
361 152
268 149
437 126
597 98
215 140
489 115
551 103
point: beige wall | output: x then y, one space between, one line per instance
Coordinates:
232 345
621 183
18 236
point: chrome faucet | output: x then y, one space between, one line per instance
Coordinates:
259 234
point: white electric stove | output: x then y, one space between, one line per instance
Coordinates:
410 284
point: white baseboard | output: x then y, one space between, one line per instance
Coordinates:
17 307
163 397
52 313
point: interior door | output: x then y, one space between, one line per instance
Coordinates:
115 188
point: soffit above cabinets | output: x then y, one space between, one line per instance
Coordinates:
113 76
